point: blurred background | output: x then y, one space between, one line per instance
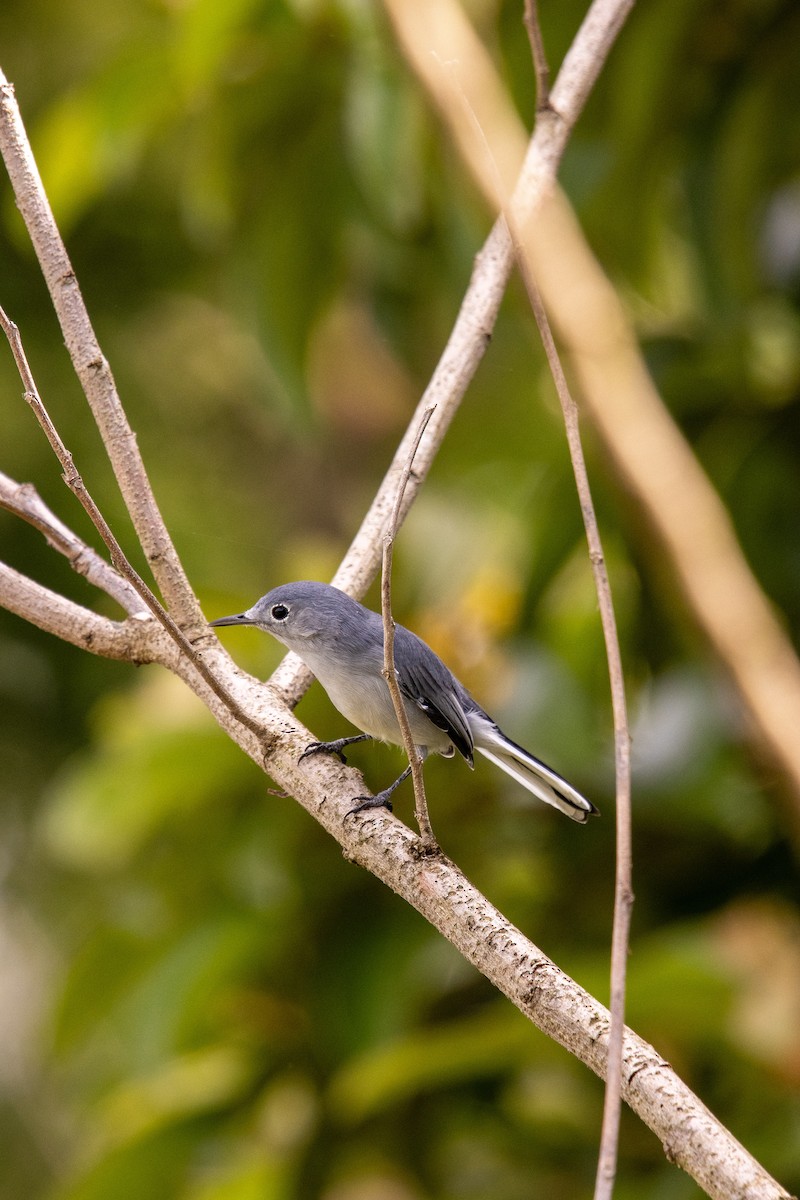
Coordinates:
199 999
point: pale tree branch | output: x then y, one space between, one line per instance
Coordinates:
623 882
91 367
690 532
455 370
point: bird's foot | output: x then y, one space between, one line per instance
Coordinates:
364 803
336 747
326 748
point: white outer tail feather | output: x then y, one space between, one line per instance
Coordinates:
534 775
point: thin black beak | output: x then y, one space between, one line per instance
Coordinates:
240 619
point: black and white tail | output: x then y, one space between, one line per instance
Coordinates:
536 776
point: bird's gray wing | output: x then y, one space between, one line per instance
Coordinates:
432 687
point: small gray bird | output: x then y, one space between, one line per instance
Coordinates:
341 641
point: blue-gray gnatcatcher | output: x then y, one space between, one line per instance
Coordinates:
342 644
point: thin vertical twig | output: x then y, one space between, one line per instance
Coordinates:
389 670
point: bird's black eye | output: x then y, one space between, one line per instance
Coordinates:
280 612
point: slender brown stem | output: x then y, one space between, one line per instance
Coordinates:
540 66
389 669
75 483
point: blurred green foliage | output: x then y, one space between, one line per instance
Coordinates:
200 1000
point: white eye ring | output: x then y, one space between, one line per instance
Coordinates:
279 612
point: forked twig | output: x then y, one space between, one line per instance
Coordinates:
389 670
